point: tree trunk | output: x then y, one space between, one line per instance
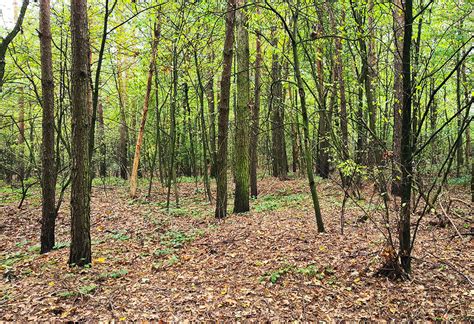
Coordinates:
136 159
80 251
304 113
221 199
397 93
212 123
276 109
255 116
406 148
48 169
101 138
123 128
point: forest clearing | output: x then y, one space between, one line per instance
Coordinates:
236 160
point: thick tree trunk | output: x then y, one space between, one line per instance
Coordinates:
242 116
136 159
80 251
48 169
255 117
279 165
221 199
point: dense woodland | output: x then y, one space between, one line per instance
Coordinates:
236 160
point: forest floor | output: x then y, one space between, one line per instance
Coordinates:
268 264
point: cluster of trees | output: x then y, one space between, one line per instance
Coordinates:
136 89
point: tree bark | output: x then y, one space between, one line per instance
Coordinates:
80 251
255 116
242 116
221 198
48 169
406 148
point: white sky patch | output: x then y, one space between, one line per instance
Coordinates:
7 19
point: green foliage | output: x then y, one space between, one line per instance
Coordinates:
115 274
176 239
120 236
87 290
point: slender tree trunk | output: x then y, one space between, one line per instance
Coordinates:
397 93
255 116
212 123
80 251
101 138
221 198
21 135
205 147
48 169
123 128
304 113
172 151
136 159
406 148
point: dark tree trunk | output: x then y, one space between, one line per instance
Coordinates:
80 251
279 165
221 199
406 148
123 128
48 169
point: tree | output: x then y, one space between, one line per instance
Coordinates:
48 169
80 251
406 143
242 112
254 130
222 127
136 159
279 163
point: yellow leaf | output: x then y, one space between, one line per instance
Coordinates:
122 318
51 283
100 260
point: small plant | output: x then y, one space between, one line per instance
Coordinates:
87 290
61 245
115 274
165 251
176 239
120 236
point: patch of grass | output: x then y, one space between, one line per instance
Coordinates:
165 251
114 274
120 236
87 290
61 245
461 181
274 202
176 239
